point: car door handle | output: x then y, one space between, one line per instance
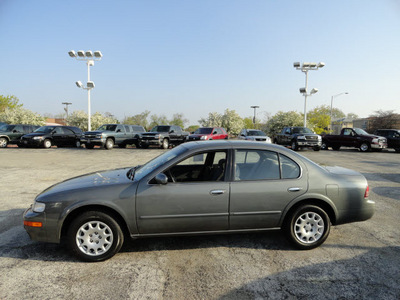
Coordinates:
294 189
217 192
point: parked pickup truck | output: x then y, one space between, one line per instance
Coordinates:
108 135
163 136
354 137
298 137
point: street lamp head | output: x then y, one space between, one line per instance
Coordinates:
296 65
98 54
72 53
313 65
313 91
79 84
321 64
89 54
81 53
303 90
306 65
90 84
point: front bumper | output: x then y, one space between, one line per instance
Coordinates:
30 143
150 141
45 233
379 146
305 143
93 141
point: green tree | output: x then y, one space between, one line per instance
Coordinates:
138 119
158 120
19 115
192 128
248 123
232 122
179 120
352 116
79 119
9 102
283 119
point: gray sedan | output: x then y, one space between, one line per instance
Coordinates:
200 188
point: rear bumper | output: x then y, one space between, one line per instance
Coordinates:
356 215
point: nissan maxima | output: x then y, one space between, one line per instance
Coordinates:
200 188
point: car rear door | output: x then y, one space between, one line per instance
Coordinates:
192 201
264 183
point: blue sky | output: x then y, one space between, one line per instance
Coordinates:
196 57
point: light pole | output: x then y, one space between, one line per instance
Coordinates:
305 67
254 119
337 95
89 57
66 108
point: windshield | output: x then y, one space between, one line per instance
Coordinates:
256 132
45 129
203 131
359 131
158 161
160 129
302 130
107 127
7 127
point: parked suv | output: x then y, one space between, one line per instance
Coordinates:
47 136
108 135
208 133
392 136
254 135
10 134
163 136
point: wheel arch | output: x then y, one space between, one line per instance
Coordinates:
327 207
94 207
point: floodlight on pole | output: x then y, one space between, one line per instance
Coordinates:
88 56
66 108
305 67
254 118
334 96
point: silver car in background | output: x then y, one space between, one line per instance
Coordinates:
254 135
200 188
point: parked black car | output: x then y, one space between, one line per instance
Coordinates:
47 136
298 137
10 134
392 136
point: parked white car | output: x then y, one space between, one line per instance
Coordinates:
254 135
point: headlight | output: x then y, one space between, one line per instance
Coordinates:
204 137
38 138
319 138
157 136
99 136
38 207
301 137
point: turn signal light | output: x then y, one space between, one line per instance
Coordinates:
366 194
33 224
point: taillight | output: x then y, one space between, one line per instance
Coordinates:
366 194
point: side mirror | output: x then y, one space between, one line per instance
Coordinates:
15 131
215 132
161 178
119 130
172 131
242 134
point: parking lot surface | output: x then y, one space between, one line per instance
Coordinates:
358 261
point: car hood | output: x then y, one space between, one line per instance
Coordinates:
89 181
34 134
96 132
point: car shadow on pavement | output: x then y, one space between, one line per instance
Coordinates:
366 276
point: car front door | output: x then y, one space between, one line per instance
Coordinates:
120 134
195 199
264 183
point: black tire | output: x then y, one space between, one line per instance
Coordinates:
365 147
144 146
336 148
397 150
78 144
165 143
89 146
316 148
94 236
3 142
109 144
307 227
295 147
324 146
47 143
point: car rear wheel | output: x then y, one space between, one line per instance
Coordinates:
109 144
317 148
47 144
94 236
308 227
77 144
295 147
336 148
365 147
3 142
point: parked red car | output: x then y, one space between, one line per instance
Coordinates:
208 133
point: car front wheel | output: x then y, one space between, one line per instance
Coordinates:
109 144
47 144
94 236
3 142
365 147
308 227
165 144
